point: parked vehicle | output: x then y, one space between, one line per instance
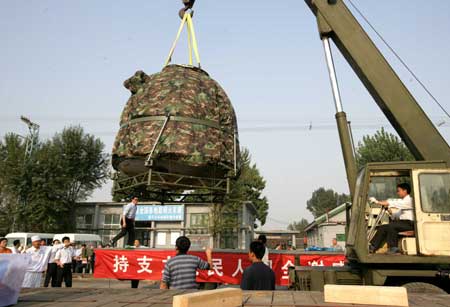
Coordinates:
80 238
25 238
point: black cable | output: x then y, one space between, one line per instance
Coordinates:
399 58
278 221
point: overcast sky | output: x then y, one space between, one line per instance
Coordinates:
63 63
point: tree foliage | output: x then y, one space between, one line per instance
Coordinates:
381 147
299 226
39 193
249 187
323 200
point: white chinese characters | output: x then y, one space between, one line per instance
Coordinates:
144 264
239 268
217 267
285 268
120 264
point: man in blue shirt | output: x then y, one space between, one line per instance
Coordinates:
127 222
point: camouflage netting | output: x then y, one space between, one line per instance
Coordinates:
199 137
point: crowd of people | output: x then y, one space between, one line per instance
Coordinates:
58 261
61 259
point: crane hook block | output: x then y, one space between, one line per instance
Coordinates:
188 4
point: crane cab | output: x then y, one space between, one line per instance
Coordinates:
429 242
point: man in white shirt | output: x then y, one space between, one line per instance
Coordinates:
38 263
16 247
127 223
63 258
263 240
403 220
52 267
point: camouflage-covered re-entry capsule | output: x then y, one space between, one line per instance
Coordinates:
200 138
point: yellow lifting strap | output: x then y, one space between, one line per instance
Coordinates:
192 40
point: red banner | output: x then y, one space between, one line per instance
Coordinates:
322 260
149 264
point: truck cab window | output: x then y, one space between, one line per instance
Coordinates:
435 192
385 187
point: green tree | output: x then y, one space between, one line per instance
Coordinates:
249 187
43 190
299 226
323 200
381 147
12 179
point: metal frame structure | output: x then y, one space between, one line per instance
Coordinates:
32 137
172 180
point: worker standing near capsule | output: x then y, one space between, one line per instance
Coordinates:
177 121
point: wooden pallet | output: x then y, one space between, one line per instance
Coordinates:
77 297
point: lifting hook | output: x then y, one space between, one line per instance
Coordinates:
188 4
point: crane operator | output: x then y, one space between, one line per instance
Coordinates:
403 220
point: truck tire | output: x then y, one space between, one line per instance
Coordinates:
423 287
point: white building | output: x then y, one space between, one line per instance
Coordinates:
323 229
158 226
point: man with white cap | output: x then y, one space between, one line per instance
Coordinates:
38 263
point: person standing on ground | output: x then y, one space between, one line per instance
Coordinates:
3 248
83 263
16 247
335 246
64 258
180 271
263 240
39 260
135 282
137 244
127 223
89 254
52 267
93 256
258 276
76 263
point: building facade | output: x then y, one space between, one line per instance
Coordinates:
158 226
284 238
326 227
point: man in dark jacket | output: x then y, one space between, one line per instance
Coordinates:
258 276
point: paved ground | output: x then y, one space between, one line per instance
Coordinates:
78 297
111 283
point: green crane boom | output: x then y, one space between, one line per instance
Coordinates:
335 21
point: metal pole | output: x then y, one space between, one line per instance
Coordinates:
332 74
341 121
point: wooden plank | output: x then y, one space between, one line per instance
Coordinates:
369 295
318 298
283 298
259 298
303 298
228 297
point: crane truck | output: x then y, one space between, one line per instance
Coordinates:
424 264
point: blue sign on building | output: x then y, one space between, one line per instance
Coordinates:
160 213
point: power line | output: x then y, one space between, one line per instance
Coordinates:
278 221
400 59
